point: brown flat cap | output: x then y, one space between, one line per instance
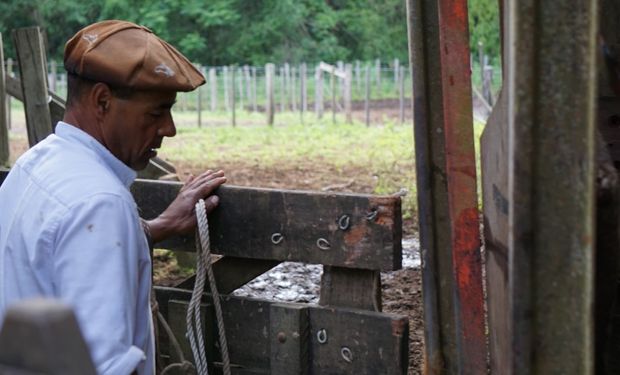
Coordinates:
124 54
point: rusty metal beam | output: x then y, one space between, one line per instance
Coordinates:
552 85
462 194
446 179
434 224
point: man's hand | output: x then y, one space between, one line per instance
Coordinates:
180 216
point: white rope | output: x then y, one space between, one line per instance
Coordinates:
203 251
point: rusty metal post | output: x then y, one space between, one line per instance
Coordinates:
462 192
552 84
446 182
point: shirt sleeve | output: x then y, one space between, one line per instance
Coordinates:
99 250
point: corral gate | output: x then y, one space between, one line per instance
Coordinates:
541 235
353 236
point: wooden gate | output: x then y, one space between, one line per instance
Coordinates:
355 237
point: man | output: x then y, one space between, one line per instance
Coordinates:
69 227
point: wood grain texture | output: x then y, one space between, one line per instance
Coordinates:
249 222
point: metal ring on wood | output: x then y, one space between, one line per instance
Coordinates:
323 244
372 215
276 238
346 354
321 336
343 222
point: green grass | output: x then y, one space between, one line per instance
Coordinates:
379 157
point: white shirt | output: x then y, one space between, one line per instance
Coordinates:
69 229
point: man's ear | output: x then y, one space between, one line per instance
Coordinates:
100 99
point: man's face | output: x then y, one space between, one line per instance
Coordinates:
134 128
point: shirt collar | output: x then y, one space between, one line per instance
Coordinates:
69 132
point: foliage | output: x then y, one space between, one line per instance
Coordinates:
220 32
484 27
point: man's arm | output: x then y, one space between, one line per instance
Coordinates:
180 216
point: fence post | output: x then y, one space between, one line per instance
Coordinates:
401 94
4 109
9 73
487 80
213 87
332 86
232 96
357 76
293 91
396 71
367 97
269 107
302 92
53 72
226 90
33 74
248 85
254 89
347 92
199 101
378 73
318 92
241 90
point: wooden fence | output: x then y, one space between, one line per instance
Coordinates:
306 89
354 237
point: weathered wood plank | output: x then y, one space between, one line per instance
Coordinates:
4 112
32 64
290 339
232 273
291 225
43 336
376 343
494 157
345 287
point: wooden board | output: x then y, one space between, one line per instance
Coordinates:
376 343
32 64
248 221
494 158
345 287
42 336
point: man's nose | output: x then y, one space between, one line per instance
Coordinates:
169 129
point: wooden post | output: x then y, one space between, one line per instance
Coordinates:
347 92
248 85
199 102
213 87
53 75
357 76
340 68
43 336
9 73
232 96
332 86
318 92
293 79
302 88
33 73
254 99
282 90
378 74
487 80
367 97
4 110
481 59
551 200
226 89
401 94
241 90
269 107
396 72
